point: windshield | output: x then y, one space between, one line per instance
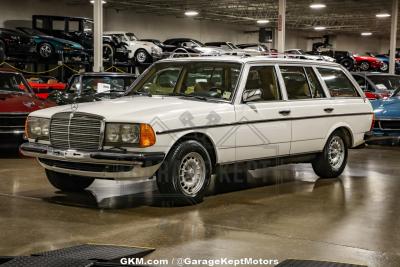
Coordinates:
386 82
216 80
99 84
32 31
88 26
232 45
131 36
197 43
13 83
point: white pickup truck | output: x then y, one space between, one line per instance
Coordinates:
185 119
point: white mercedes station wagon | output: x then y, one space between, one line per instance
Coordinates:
186 119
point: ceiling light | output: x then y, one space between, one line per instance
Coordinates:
319 28
103 2
191 13
317 6
366 33
262 21
382 15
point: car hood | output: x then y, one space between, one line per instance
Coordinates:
367 58
21 103
386 108
144 109
211 50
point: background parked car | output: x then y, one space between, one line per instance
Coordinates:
301 54
344 58
166 49
17 100
188 45
47 47
114 49
90 87
385 63
15 44
261 48
44 85
140 51
387 117
373 84
368 63
232 49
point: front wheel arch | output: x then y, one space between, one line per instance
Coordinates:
346 130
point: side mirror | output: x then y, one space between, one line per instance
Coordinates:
252 95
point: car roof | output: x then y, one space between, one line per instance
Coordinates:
373 73
254 59
62 17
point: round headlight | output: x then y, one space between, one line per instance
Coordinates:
130 134
35 128
112 133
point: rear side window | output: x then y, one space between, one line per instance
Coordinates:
296 82
338 83
316 88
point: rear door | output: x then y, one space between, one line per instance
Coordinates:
308 105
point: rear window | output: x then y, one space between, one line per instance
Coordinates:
338 83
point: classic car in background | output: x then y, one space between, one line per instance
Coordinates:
368 63
232 49
387 117
261 48
17 100
385 63
344 58
114 49
140 51
15 44
47 47
188 46
301 54
373 84
44 85
96 86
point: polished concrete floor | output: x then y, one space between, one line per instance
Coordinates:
278 213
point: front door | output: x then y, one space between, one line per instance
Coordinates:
263 125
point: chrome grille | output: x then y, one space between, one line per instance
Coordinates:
75 130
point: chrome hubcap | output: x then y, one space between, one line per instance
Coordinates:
141 57
336 152
45 50
192 173
364 66
384 67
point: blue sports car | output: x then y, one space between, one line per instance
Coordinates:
385 66
387 117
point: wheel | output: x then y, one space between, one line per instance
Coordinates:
141 56
46 50
364 66
67 182
2 52
108 52
347 63
333 159
185 174
384 67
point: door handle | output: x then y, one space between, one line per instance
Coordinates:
329 110
285 112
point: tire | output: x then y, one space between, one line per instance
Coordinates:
385 67
45 51
67 182
141 56
2 52
347 63
365 66
108 52
324 165
186 155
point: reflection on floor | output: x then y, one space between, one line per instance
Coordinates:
276 213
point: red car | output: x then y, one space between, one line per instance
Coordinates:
17 100
43 86
368 63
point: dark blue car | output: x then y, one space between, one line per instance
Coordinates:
385 66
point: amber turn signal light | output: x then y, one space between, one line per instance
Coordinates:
147 135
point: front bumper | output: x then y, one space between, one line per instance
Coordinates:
376 136
98 164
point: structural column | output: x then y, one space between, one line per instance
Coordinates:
281 26
393 36
98 35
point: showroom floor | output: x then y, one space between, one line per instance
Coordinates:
287 215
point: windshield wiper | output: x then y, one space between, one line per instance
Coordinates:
203 98
143 93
